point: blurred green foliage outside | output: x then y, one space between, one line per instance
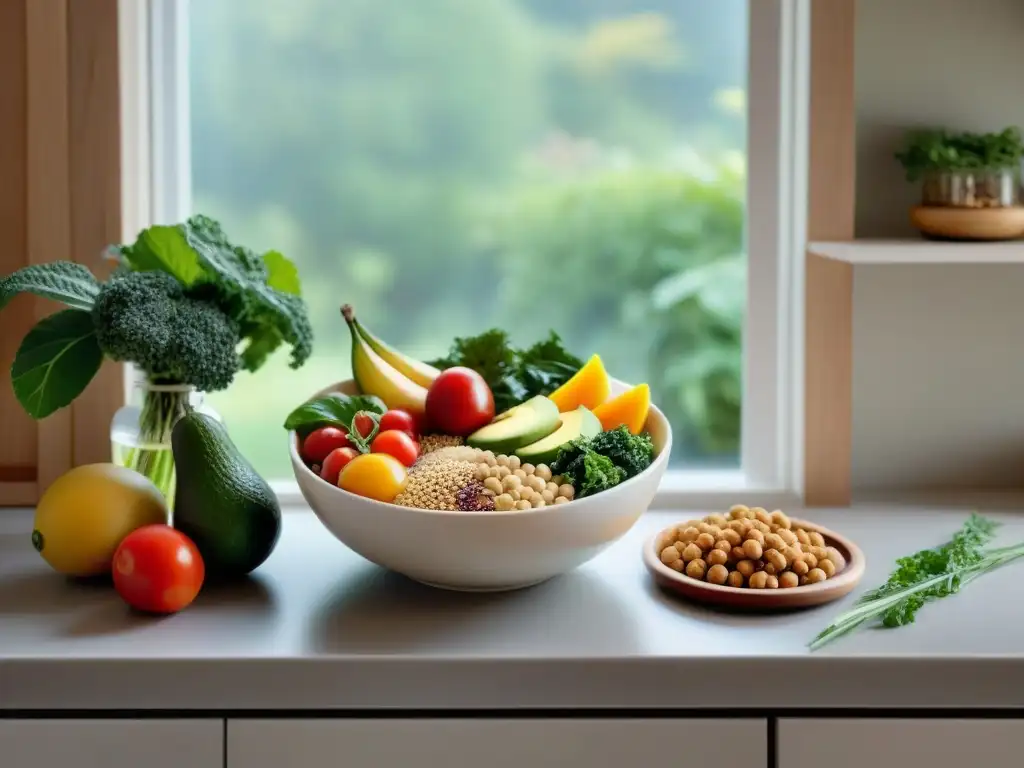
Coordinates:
451 165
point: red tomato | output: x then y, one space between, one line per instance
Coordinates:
459 402
398 419
363 423
320 442
398 444
335 462
158 569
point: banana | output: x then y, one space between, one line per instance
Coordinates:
375 376
415 370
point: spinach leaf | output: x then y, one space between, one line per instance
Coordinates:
55 362
64 281
334 410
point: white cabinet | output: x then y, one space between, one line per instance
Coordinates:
509 743
896 743
111 743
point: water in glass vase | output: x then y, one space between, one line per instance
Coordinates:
140 434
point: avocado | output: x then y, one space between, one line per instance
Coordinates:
221 502
520 425
579 423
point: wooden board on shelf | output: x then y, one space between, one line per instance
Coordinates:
919 251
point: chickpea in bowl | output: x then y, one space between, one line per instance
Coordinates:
737 558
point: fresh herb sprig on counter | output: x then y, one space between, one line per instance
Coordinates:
925 576
514 375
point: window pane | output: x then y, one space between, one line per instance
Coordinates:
448 166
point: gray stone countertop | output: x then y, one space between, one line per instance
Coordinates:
318 627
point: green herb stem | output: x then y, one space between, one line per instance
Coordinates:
152 457
927 575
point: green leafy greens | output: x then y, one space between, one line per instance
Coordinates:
514 375
57 360
943 150
925 576
185 305
595 464
334 410
71 284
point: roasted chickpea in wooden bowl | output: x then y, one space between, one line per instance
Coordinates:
752 558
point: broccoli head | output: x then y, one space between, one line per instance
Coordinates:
147 319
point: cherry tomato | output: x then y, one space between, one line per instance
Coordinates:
459 402
377 476
320 442
363 424
397 443
158 569
335 462
396 418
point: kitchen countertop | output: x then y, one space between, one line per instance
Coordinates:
317 627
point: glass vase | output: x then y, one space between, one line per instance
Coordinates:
975 188
140 434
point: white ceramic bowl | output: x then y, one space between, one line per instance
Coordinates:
484 551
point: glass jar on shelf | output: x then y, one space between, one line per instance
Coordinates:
140 433
972 188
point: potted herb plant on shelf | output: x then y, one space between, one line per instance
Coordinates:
970 183
185 306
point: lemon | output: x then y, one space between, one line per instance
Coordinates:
85 513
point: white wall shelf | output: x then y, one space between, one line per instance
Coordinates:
920 251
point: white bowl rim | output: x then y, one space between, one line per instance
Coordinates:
297 461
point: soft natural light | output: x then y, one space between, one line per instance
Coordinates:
575 166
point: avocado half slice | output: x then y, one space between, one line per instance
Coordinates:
520 425
579 423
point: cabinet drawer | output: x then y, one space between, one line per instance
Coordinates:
111 743
496 743
896 743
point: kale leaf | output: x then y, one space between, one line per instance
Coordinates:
599 474
546 366
593 464
631 453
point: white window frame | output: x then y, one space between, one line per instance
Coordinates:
157 184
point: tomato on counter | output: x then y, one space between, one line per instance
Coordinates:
158 569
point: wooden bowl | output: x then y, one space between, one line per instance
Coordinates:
763 599
972 224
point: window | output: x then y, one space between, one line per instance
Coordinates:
625 172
